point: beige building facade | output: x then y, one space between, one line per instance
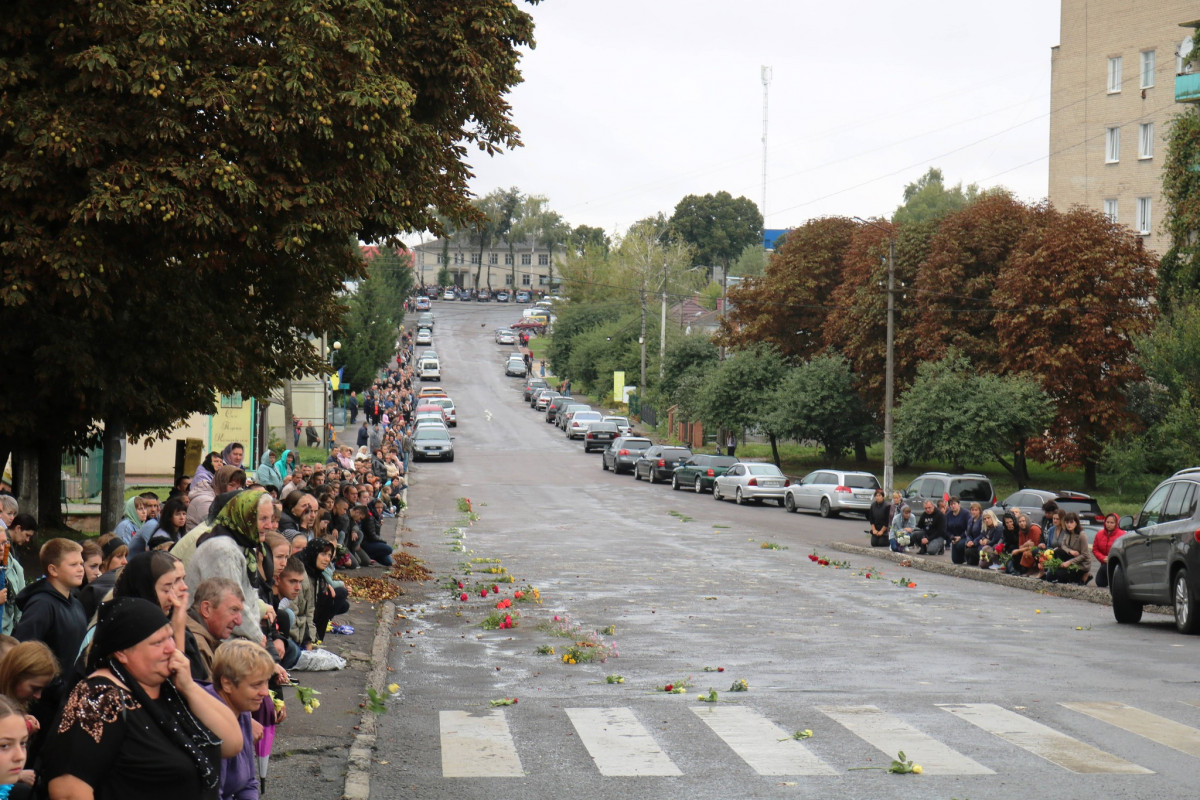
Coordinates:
527 266
1112 99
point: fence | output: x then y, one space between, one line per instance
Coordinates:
647 414
81 475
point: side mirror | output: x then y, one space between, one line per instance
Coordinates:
1125 523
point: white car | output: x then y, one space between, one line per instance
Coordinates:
755 481
448 294
577 427
622 423
506 337
424 336
447 408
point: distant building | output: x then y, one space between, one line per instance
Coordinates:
1112 98
527 266
692 317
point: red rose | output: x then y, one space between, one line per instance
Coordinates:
720 669
483 592
463 597
496 590
460 584
812 557
668 687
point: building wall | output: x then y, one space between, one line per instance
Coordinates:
499 275
232 421
1082 108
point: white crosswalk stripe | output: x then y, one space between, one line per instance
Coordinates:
1043 741
619 744
478 746
1153 727
766 747
891 735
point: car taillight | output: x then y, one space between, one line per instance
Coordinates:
752 482
1099 519
710 472
844 490
1197 535
787 482
662 463
622 452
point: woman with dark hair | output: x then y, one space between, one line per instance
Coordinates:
328 601
172 521
879 516
114 555
138 726
1072 551
299 514
1102 544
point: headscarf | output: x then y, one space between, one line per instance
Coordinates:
140 574
123 624
281 465
240 517
227 454
131 512
220 481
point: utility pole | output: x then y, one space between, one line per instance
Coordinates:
662 338
889 392
642 341
765 73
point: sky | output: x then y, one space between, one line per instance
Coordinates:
626 107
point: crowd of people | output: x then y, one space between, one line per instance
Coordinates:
1055 549
151 661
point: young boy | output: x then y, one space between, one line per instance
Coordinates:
50 611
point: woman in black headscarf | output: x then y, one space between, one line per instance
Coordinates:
138 727
328 601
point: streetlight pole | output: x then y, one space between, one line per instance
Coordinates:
889 468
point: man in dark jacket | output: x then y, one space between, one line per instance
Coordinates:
352 406
364 435
930 533
50 611
957 520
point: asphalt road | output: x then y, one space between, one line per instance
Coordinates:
996 692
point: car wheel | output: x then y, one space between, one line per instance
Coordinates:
716 492
651 476
699 485
637 476
1125 610
789 503
1187 611
826 511
737 496
675 482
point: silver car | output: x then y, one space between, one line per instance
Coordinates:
832 491
577 427
751 481
432 442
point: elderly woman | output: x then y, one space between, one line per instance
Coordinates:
241 672
138 726
233 549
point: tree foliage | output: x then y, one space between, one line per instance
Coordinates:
691 355
184 185
1071 301
375 311
717 226
928 199
1179 277
817 401
736 393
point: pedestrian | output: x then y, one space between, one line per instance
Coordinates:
364 435
730 444
297 425
542 367
352 404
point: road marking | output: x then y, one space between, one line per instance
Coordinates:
891 735
619 744
1153 727
1044 742
766 747
478 746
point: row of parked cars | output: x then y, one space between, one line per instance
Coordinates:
434 416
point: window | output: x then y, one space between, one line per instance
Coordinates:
526 259
231 400
474 258
508 280
543 260
458 258
439 258
1112 145
1143 215
1146 140
1110 209
1114 75
543 280
1147 69
525 279
493 258
508 259
1153 508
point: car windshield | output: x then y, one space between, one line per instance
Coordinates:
763 469
432 432
676 452
601 426
972 489
863 482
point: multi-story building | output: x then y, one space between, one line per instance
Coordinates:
1112 98
526 266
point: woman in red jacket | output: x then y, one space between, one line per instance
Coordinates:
1101 545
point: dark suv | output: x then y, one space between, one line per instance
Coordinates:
659 462
556 405
1157 561
969 487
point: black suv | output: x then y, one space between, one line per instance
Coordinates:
1157 561
969 487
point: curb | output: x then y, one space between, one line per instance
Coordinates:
358 762
1089 593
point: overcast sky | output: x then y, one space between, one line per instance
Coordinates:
629 106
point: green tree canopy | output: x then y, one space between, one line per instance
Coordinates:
928 199
817 401
736 393
718 226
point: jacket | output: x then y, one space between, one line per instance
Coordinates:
202 497
206 645
222 557
1104 542
956 524
239 775
932 526
1078 542
14 581
47 616
303 632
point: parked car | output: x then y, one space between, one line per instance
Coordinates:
506 337
522 296
599 435
623 453
544 398
515 368
700 471
1030 502
1157 561
658 463
532 385
832 491
529 325
969 487
501 296
448 294
431 411
447 406
555 405
423 304
568 411
577 425
425 320
746 481
464 296
622 423
433 442
483 296
431 391
424 336
430 369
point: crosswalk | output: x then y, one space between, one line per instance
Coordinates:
482 745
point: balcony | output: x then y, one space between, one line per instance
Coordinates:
1187 88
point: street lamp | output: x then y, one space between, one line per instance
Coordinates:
329 351
890 369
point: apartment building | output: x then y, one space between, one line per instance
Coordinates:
1112 99
527 265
